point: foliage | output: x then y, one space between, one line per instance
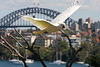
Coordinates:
4 53
93 61
90 54
69 32
49 53
99 36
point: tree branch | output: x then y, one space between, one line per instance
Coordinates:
69 41
18 42
31 49
73 58
74 52
37 55
23 38
11 46
33 44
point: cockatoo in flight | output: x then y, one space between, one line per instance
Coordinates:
57 23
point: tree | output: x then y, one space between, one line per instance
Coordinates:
15 52
74 52
12 48
93 61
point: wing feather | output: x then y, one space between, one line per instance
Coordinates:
69 11
40 23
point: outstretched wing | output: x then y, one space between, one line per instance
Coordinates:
40 23
69 11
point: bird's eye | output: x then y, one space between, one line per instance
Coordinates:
62 26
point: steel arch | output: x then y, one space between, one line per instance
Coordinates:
7 20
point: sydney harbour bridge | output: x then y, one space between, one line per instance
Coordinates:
13 19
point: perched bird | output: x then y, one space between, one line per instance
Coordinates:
57 23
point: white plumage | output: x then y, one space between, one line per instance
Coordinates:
57 23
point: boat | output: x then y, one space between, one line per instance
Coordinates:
29 61
18 62
13 60
59 61
80 62
83 63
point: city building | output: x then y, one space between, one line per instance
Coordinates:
97 27
90 21
85 26
44 41
90 32
81 22
84 33
28 36
93 27
75 27
75 40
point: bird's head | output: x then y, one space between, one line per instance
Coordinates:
63 26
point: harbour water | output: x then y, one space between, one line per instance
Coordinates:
36 64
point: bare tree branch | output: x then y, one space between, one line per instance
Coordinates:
73 58
37 55
30 48
69 40
18 42
23 38
74 52
11 46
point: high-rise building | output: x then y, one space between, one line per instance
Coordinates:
81 22
93 27
90 21
85 26
75 27
97 27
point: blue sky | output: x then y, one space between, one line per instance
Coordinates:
90 8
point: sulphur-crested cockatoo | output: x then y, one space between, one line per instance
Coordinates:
57 23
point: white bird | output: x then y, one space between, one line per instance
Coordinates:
57 23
